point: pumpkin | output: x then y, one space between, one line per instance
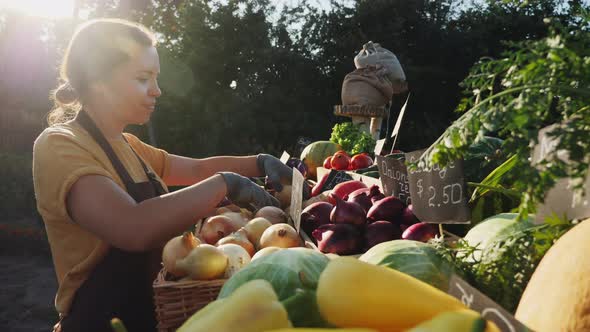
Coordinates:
314 154
557 297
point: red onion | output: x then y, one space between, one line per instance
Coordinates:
375 194
361 197
344 188
381 231
347 212
315 215
341 239
420 232
389 208
408 217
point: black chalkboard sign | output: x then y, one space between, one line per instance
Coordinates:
394 177
296 198
488 309
438 194
300 144
335 177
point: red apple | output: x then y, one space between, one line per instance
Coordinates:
361 161
340 161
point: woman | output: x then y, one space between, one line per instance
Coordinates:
103 193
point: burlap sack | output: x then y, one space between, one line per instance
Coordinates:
366 86
373 54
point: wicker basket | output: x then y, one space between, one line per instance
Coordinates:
176 301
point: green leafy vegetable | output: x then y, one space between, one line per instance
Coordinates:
499 256
537 83
352 139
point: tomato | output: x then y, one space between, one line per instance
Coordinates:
361 161
328 162
340 161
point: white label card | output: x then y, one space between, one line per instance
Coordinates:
285 157
297 198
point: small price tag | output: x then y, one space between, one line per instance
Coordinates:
335 177
398 123
285 157
561 200
394 177
489 309
379 146
438 194
296 198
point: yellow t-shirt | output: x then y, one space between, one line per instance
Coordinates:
61 155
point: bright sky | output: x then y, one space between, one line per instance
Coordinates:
64 8
42 8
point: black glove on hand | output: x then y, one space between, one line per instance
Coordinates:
242 192
275 170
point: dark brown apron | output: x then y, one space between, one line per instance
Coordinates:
121 284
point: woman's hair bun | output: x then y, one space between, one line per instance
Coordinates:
65 94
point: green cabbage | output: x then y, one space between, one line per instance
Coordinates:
418 259
494 229
501 253
290 272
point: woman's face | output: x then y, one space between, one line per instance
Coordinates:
130 92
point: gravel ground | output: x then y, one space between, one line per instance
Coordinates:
27 278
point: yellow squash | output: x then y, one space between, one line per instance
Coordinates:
352 293
464 320
307 329
253 307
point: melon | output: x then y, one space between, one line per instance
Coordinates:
314 154
557 297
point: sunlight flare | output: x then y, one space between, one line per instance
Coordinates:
41 8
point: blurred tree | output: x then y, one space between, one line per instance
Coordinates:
238 71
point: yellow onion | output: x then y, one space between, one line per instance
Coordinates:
240 238
273 214
205 262
265 252
280 235
254 229
177 248
218 227
238 257
238 219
